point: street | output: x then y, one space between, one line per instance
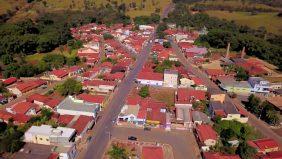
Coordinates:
103 129
212 87
183 142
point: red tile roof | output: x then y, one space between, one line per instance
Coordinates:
65 119
81 123
206 132
263 144
114 76
152 152
188 96
24 107
4 115
273 155
10 80
150 76
21 118
133 100
59 73
185 45
151 109
37 97
27 86
99 82
217 155
91 98
197 81
215 72
53 103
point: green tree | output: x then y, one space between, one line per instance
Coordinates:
241 74
107 36
144 92
7 59
245 151
253 105
70 87
118 152
71 61
167 44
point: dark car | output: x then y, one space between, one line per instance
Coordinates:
132 138
147 129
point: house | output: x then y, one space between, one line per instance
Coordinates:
186 81
58 75
207 136
199 84
73 106
170 78
226 110
65 119
46 135
273 155
217 155
43 101
95 99
10 81
259 85
99 86
130 112
264 145
214 73
150 78
154 112
26 108
196 52
186 96
24 87
152 152
230 85
82 124
18 119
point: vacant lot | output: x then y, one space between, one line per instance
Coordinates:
165 95
270 21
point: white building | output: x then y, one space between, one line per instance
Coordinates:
170 78
46 135
259 85
73 106
150 78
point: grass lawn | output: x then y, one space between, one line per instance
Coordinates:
38 56
270 21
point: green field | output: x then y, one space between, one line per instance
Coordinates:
270 21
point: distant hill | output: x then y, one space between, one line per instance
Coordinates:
15 10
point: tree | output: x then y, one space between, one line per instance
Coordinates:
241 75
107 36
70 87
167 44
245 151
7 59
118 152
253 105
71 61
144 92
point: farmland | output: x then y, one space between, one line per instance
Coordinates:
270 21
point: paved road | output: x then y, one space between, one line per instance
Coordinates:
212 87
104 127
183 142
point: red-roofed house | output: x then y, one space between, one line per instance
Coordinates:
97 99
65 119
155 112
186 96
273 155
206 135
264 145
26 108
82 124
199 84
17 118
10 81
43 101
217 155
214 73
24 87
58 75
150 78
152 152
118 76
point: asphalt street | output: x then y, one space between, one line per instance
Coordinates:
103 129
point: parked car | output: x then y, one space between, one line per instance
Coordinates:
132 138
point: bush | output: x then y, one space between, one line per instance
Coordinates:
144 92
